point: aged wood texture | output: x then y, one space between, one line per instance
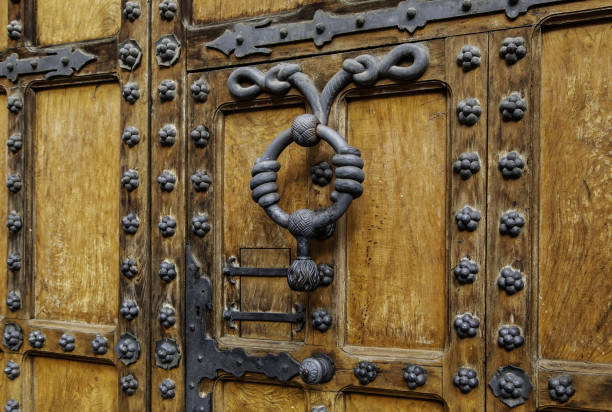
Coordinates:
4 21
505 195
4 252
67 21
358 402
214 11
469 297
396 244
240 397
77 203
73 385
575 225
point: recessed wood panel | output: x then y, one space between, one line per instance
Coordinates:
575 198
69 21
3 203
60 384
396 231
357 402
220 10
242 397
77 144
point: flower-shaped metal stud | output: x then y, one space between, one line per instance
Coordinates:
131 92
511 385
167 317
127 349
14 30
130 136
129 384
129 268
166 181
12 336
131 11
509 338
14 222
469 111
167 226
199 90
200 136
322 174
167 135
466 271
513 107
99 345
130 54
466 325
66 342
366 372
13 262
466 379
14 104
199 225
13 301
511 223
511 165
129 310
510 280
167 9
167 271
14 143
167 90
469 58
513 49
201 181
167 50
11 406
326 274
36 339
414 376
12 370
167 353
166 389
467 219
130 223
13 182
321 320
467 165
560 388
129 180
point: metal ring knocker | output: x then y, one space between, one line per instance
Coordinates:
305 224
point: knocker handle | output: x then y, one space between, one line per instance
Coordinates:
305 224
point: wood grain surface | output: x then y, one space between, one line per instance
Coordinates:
214 11
4 152
242 397
359 402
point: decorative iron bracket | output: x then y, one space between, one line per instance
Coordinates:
232 269
231 314
61 62
247 39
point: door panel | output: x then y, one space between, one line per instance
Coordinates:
240 397
213 11
356 402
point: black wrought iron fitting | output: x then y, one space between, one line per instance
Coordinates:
510 280
466 325
511 223
167 90
14 30
167 353
307 130
57 63
199 224
200 136
232 314
467 219
466 271
167 316
130 54
13 301
130 136
511 165
466 379
167 9
322 174
13 183
366 372
13 262
131 92
166 181
201 181
14 104
469 58
14 143
408 15
167 50
11 406
233 268
12 370
14 222
167 226
326 274
36 339
509 338
12 336
167 271
99 345
321 320
129 310
166 389
129 267
513 49
317 369
167 135
560 388
511 385
67 342
200 90
127 349
513 107
469 111
467 165
129 180
130 223
414 376
319 408
131 11
129 384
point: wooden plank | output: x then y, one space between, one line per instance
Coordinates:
77 247
240 397
4 21
215 11
396 245
361 402
68 21
575 202
4 153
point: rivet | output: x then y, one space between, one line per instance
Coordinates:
360 21
239 39
411 13
320 28
283 33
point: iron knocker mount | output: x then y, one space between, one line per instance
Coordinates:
308 130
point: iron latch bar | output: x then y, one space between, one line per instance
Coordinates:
231 314
232 269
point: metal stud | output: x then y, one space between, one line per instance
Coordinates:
130 223
201 181
129 384
13 183
129 268
129 310
131 92
466 379
67 342
167 9
131 11
14 104
14 143
322 174
167 90
326 274
466 271
167 135
414 376
13 262
127 349
199 225
511 165
315 370
467 219
12 336
200 90
129 180
513 107
36 339
13 301
321 320
513 49
99 345
11 406
131 136
167 226
12 370
466 325
167 317
130 54
469 111
167 271
469 58
166 181
509 338
167 50
411 13
166 389
366 372
14 222
511 223
510 280
466 5
167 353
511 385
560 388
14 30
200 136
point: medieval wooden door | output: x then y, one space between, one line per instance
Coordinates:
309 206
